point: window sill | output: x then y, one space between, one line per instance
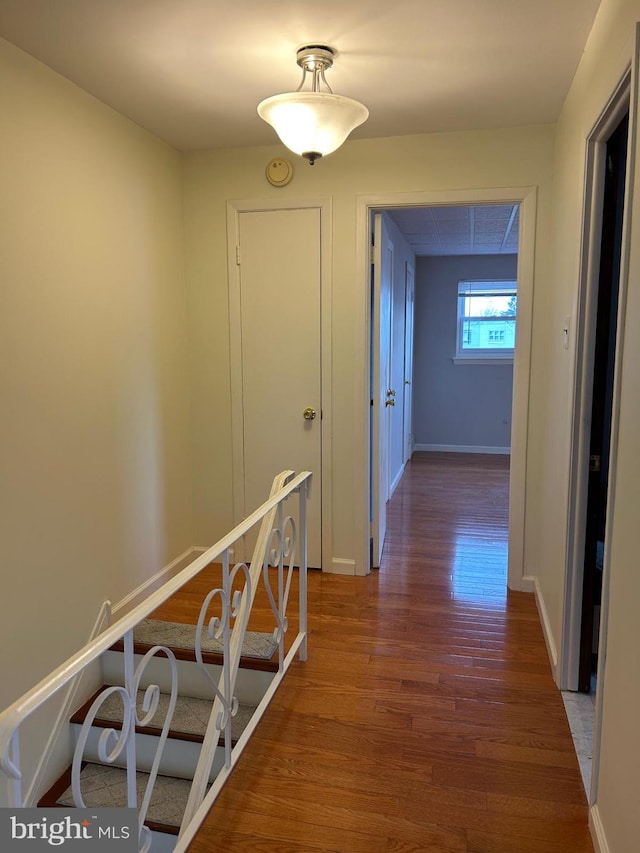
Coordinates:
482 359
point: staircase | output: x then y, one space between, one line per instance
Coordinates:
105 785
159 734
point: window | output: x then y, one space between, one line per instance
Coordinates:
486 320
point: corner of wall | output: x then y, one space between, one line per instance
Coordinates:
530 583
340 566
596 828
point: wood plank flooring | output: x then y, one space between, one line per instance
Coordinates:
426 718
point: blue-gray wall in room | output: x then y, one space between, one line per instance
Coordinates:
456 405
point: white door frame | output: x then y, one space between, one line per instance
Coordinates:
383 247
234 209
407 388
366 204
586 316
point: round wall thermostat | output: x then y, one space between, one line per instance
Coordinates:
279 172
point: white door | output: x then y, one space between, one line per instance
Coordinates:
279 304
382 402
396 379
407 443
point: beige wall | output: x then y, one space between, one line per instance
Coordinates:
607 54
511 157
602 67
94 433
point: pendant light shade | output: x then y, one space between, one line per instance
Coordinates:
313 124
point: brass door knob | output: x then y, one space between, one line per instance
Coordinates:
309 414
390 402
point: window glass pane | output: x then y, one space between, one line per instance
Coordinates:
487 287
490 306
488 333
487 317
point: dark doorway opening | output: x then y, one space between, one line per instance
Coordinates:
602 400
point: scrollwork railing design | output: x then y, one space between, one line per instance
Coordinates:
219 628
279 538
113 742
281 552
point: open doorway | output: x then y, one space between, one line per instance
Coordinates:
461 261
597 334
594 433
526 197
605 336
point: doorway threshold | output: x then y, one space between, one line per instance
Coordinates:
581 712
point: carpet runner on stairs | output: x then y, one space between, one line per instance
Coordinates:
176 635
189 721
106 785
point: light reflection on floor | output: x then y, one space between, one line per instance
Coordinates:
479 567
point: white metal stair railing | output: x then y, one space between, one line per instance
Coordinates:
278 540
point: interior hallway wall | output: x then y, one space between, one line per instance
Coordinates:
95 465
517 157
607 55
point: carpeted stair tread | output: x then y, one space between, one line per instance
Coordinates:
177 635
190 716
106 787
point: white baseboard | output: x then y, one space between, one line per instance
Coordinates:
597 831
155 581
396 480
462 448
342 567
546 624
200 549
528 583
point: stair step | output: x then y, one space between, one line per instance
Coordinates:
104 787
251 683
257 650
190 717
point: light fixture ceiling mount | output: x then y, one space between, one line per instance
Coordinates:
313 123
315 58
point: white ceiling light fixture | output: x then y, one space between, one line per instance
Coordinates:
313 123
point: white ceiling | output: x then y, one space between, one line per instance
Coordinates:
460 230
193 71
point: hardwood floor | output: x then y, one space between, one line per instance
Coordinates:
426 718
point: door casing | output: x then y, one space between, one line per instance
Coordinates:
526 197
407 390
569 653
621 100
383 260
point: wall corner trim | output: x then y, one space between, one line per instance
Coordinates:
597 831
528 584
529 581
